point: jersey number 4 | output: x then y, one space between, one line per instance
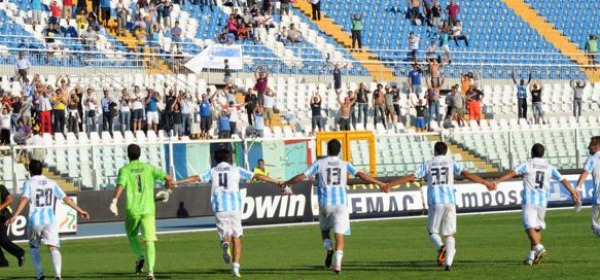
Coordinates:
43 197
539 179
223 180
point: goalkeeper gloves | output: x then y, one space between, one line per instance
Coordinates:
113 207
163 195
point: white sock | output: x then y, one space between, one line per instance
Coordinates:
450 250
539 247
236 267
531 255
57 261
37 261
339 255
327 244
436 240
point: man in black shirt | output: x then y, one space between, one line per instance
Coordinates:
170 100
536 100
362 99
315 108
6 200
337 77
251 100
421 108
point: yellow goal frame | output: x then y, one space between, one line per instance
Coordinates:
345 137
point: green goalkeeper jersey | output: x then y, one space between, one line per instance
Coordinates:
137 178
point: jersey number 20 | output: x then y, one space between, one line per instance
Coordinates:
43 197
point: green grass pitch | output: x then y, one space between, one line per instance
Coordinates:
488 247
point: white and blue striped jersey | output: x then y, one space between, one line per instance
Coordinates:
537 173
440 179
225 191
591 165
42 194
331 182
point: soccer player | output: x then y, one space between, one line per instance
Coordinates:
137 179
591 166
42 228
226 201
441 199
333 201
537 173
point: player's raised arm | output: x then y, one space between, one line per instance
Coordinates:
366 177
84 214
267 179
581 180
296 179
190 179
400 181
473 177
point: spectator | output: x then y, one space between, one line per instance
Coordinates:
210 3
433 99
316 9
22 67
138 109
415 13
466 80
259 121
38 154
243 31
474 98
536 100
356 29
105 8
427 9
352 98
16 108
413 42
125 111
378 106
50 34
436 14
170 100
591 48
264 21
434 69
205 116
521 95
294 35
225 38
36 13
152 110
233 111
96 6
90 104
577 96
23 133
5 127
285 7
421 108
58 111
45 113
81 6
315 108
122 13
269 106
231 25
444 39
81 21
251 101
89 38
453 10
260 169
67 10
186 105
283 36
177 117
74 118
92 19
167 7
140 35
389 106
458 101
262 83
107 114
362 99
458 34
227 74
414 80
396 99
55 12
337 76
224 125
345 106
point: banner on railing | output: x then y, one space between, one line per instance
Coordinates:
66 219
214 56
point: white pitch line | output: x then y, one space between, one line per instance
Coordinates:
296 224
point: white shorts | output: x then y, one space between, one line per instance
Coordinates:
336 218
442 219
533 217
446 48
229 224
152 117
36 16
43 234
596 219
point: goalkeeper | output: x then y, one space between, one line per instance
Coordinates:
137 179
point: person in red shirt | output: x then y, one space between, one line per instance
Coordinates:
453 10
474 98
56 12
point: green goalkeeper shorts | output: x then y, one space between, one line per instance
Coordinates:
147 224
